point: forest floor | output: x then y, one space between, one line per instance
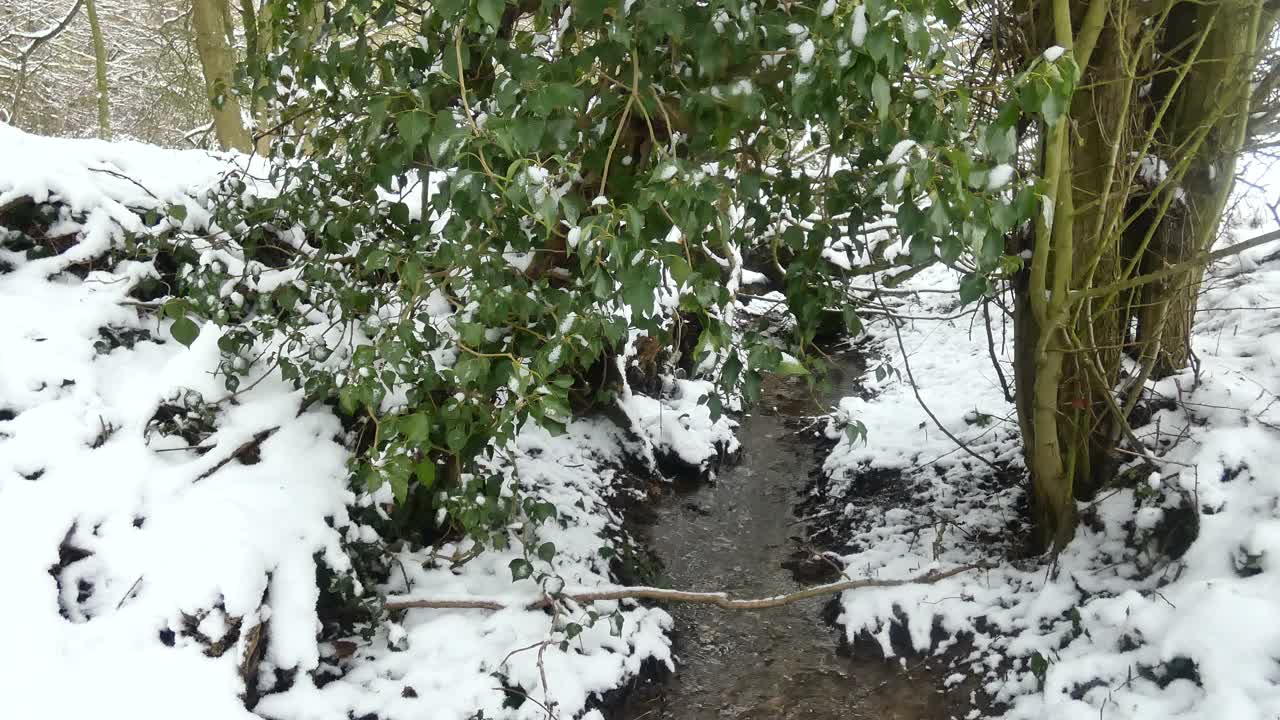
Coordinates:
167 546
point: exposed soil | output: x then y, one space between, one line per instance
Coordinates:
740 534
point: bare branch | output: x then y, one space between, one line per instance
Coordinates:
718 599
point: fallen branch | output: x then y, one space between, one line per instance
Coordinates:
719 599
246 449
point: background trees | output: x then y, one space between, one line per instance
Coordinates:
151 71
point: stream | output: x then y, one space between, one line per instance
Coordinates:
735 534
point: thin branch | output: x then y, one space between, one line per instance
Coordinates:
916 391
718 599
1202 258
44 36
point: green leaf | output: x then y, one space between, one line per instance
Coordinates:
791 366
949 249
547 551
416 427
413 126
426 473
184 330
520 569
456 438
880 93
911 219
399 487
947 12
178 212
491 11
349 399
972 287
175 308
921 249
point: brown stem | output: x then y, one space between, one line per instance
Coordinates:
720 600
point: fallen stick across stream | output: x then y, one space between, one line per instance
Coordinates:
721 600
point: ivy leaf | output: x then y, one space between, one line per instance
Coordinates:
184 330
178 212
547 551
520 569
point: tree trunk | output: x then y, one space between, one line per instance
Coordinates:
1217 85
1075 306
218 62
100 70
1055 389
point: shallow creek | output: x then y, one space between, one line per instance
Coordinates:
734 535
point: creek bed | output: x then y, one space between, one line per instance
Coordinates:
735 534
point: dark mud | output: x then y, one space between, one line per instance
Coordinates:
740 534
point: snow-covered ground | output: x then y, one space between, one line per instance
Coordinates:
1120 629
164 544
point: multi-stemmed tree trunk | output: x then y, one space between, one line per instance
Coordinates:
1218 85
100 70
1121 167
209 19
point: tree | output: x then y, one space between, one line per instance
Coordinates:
100 70
24 52
210 20
592 174
50 80
1136 171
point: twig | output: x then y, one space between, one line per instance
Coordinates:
248 445
122 176
991 351
916 391
718 599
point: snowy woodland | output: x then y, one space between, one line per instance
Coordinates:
550 359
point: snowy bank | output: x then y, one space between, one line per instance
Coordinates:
172 548
1165 602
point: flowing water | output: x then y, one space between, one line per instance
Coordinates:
735 534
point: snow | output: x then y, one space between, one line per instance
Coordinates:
806 51
1000 176
680 425
858 31
899 151
1052 54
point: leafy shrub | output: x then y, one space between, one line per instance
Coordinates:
478 208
